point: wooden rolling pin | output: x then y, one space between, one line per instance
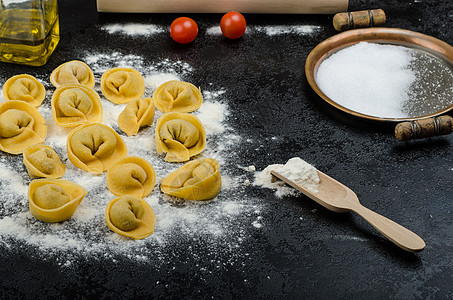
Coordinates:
424 128
222 6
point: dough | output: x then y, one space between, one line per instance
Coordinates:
196 180
95 147
72 72
180 136
76 104
42 161
21 125
177 96
137 113
132 176
50 196
122 85
130 216
54 200
26 88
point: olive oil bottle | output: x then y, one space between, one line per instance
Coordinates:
29 31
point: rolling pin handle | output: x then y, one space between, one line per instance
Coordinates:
424 128
358 19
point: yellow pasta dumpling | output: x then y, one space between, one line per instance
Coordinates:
137 113
95 147
121 85
132 176
42 161
177 96
196 180
21 125
72 72
54 200
130 216
76 104
26 88
180 136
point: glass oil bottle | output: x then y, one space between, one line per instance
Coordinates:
29 31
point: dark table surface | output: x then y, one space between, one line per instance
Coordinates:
299 253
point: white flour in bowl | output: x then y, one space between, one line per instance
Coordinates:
369 78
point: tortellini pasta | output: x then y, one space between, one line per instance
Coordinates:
72 72
42 161
54 200
180 136
130 216
21 125
177 96
196 180
121 85
132 176
95 147
137 113
26 88
76 104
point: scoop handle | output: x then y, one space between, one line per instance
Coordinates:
396 233
424 128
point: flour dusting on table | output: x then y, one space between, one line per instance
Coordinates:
133 29
220 223
271 30
287 29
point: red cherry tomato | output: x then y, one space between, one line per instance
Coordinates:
183 30
233 25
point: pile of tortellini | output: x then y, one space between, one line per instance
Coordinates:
97 148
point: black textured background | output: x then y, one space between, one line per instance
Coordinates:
264 78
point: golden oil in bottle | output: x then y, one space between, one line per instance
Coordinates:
29 31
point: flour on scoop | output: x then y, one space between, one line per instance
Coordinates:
296 170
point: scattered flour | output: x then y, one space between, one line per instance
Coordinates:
264 179
287 29
153 81
221 223
232 208
212 116
251 169
111 112
296 170
141 30
258 222
272 30
133 29
215 30
101 62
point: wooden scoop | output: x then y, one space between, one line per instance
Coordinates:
339 198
